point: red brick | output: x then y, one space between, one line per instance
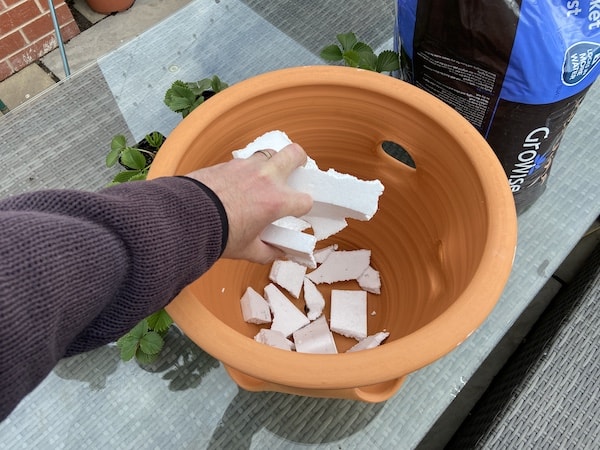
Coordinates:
33 52
10 3
42 25
11 43
15 17
69 31
5 70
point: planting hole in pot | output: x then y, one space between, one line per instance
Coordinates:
398 152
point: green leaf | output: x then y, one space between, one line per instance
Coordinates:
351 58
151 343
362 49
145 358
113 157
125 176
347 40
218 85
139 176
200 86
128 345
155 139
368 61
331 53
119 142
140 329
132 157
179 96
388 61
159 321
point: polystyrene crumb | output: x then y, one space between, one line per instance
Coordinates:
289 275
341 266
274 338
315 303
286 317
315 338
349 313
255 308
296 245
370 281
292 223
370 342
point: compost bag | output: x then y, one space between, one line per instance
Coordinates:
517 70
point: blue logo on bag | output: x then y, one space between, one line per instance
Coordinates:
538 162
580 60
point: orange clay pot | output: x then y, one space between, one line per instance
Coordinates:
443 239
109 6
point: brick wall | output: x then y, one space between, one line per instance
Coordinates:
27 32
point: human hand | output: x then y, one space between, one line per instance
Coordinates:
254 193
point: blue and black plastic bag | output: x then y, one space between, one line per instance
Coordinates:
517 70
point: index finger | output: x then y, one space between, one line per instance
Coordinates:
288 159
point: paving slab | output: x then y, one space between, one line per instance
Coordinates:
24 85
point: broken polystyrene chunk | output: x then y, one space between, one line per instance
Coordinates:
273 140
292 223
349 313
315 338
341 266
255 308
286 317
370 281
370 342
326 220
358 198
315 303
296 245
274 339
321 254
289 275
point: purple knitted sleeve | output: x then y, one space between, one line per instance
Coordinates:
78 269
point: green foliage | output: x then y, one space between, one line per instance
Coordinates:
135 160
143 342
184 97
353 53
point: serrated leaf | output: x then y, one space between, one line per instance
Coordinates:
125 176
128 345
145 358
387 61
139 176
151 343
331 53
113 157
362 48
119 142
159 321
133 158
140 329
218 85
347 40
351 58
368 61
179 96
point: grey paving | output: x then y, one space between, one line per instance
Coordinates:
94 400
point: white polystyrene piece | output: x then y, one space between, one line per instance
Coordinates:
326 220
292 223
296 245
315 338
289 275
341 266
349 313
286 317
315 303
359 198
272 140
255 308
370 281
321 254
370 342
274 339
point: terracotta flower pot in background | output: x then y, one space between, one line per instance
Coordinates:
109 6
443 239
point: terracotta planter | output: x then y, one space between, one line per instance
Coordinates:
109 6
443 239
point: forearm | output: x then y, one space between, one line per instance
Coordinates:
79 269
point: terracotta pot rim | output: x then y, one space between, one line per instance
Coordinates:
393 359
